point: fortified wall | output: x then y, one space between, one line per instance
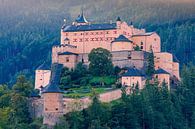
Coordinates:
68 104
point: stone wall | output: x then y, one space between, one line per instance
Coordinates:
70 104
123 59
36 107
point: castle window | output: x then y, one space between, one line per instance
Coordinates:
75 40
86 39
156 76
101 32
81 33
67 59
86 33
96 39
115 32
81 40
154 39
101 39
96 32
41 79
92 39
107 32
141 47
45 109
91 33
66 34
56 109
142 43
129 57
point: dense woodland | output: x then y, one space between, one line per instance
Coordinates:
151 108
29 28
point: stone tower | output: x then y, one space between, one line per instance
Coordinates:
53 98
42 76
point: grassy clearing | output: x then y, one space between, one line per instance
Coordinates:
84 92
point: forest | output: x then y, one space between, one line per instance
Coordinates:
29 28
153 107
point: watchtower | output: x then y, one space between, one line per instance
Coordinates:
53 98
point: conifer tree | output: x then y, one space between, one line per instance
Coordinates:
150 70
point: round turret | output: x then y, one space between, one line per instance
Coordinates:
121 44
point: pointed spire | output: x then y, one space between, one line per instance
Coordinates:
81 18
118 19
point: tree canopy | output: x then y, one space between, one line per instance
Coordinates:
100 62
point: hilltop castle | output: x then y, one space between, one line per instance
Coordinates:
121 39
77 41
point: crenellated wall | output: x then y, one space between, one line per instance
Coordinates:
60 49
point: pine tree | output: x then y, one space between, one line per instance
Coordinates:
150 70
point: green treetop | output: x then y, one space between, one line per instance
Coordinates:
100 62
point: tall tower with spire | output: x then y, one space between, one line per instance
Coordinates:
53 98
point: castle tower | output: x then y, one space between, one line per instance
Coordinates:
121 43
53 98
42 76
162 75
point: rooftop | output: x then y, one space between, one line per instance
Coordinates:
161 71
43 66
133 72
90 27
144 34
121 38
52 87
67 53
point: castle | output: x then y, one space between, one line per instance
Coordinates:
78 39
121 39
